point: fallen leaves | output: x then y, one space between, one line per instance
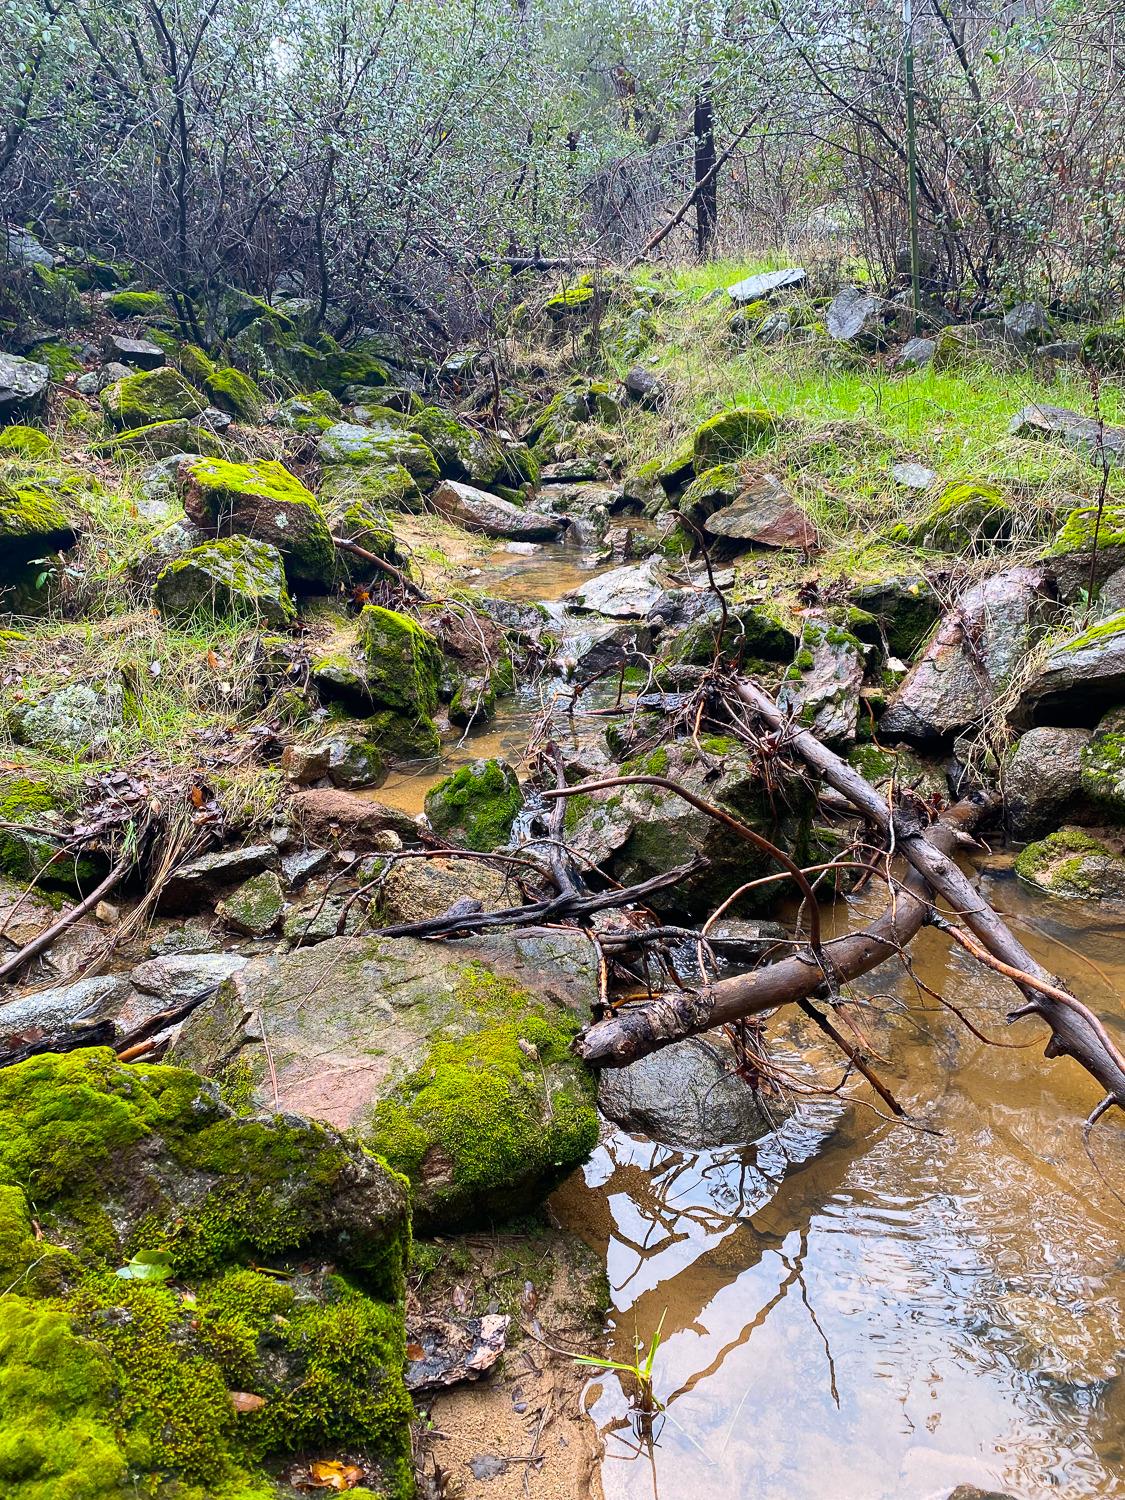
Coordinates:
245 1401
147 1265
328 1474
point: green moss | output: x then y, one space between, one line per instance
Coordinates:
710 491
27 442
233 392
31 515
966 513
575 300
1078 530
137 305
402 661
1095 635
476 806
354 367
195 365
731 435
29 849
60 358
1073 864
402 738
1102 774
151 396
159 440
235 577
262 499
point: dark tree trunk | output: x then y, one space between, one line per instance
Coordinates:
706 178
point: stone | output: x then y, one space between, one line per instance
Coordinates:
255 907
645 388
23 388
1027 325
915 354
1100 442
235 576
264 501
139 352
688 1094
305 763
903 768
415 890
821 689
971 1492
353 761
478 511
334 819
1111 599
402 661
159 440
321 917
751 635
1081 677
766 284
856 317
151 396
912 476
1042 778
725 438
1075 866
968 514
32 525
74 719
180 978
452 1061
476 806
24 249
379 447
626 593
973 656
905 607
197 881
60 1006
764 515
300 865
1102 768
1089 547
234 395
1063 350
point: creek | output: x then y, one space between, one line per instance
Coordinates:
855 1308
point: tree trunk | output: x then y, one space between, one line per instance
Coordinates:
706 178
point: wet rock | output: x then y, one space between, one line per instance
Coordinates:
605 644
139 352
1059 424
255 907
451 1060
1102 770
476 806
908 771
23 387
1089 548
353 762
1111 599
766 284
906 609
1042 778
821 689
333 819
59 1006
764 514
511 614
302 864
319 918
235 576
402 662
627 593
178 978
750 634
414 890
856 317
478 511
972 657
1081 677
687 1094
971 1492
305 763
199 880
915 354
446 1353
1075 865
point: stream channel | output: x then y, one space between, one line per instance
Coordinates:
853 1309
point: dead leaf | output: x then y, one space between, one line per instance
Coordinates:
197 796
331 1474
212 661
244 1401
459 1297
415 1351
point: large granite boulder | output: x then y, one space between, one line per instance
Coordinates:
1043 778
235 576
23 388
151 396
1081 678
766 285
378 447
478 511
627 593
972 657
450 1060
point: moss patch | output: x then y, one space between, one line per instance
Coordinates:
476 806
402 661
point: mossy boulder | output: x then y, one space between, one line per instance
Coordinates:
451 1061
731 435
235 576
354 367
255 907
25 442
402 662
32 524
195 365
159 440
261 500
461 452
151 396
1072 553
1082 676
315 411
476 806
967 513
1075 865
376 487
710 491
576 303
750 634
114 1383
403 737
1101 776
232 391
137 305
33 845
379 447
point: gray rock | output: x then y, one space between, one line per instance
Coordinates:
1075 866
856 317
74 719
774 327
912 476
1082 676
200 879
644 387
766 284
336 819
415 890
23 387
1112 596
764 514
1064 350
255 907
229 577
138 352
318 919
96 381
22 247
687 1094
353 761
1058 424
477 510
1042 778
824 694
60 1006
1027 325
972 657
915 354
378 447
302 865
159 499
627 593
178 978
1103 767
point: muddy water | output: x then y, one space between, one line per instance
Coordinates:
854 1310
859 1311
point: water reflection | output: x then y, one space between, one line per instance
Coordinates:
864 1312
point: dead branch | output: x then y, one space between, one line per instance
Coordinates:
43 940
384 566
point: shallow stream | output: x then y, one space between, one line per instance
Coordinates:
854 1309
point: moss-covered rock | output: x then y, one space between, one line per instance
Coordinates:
376 488
151 396
1101 776
461 452
315 411
403 737
33 846
379 448
731 435
261 500
25 442
1075 865
255 907
235 576
232 391
476 806
354 367
130 304
751 634
159 440
402 662
709 492
575 303
966 514
363 523
32 524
